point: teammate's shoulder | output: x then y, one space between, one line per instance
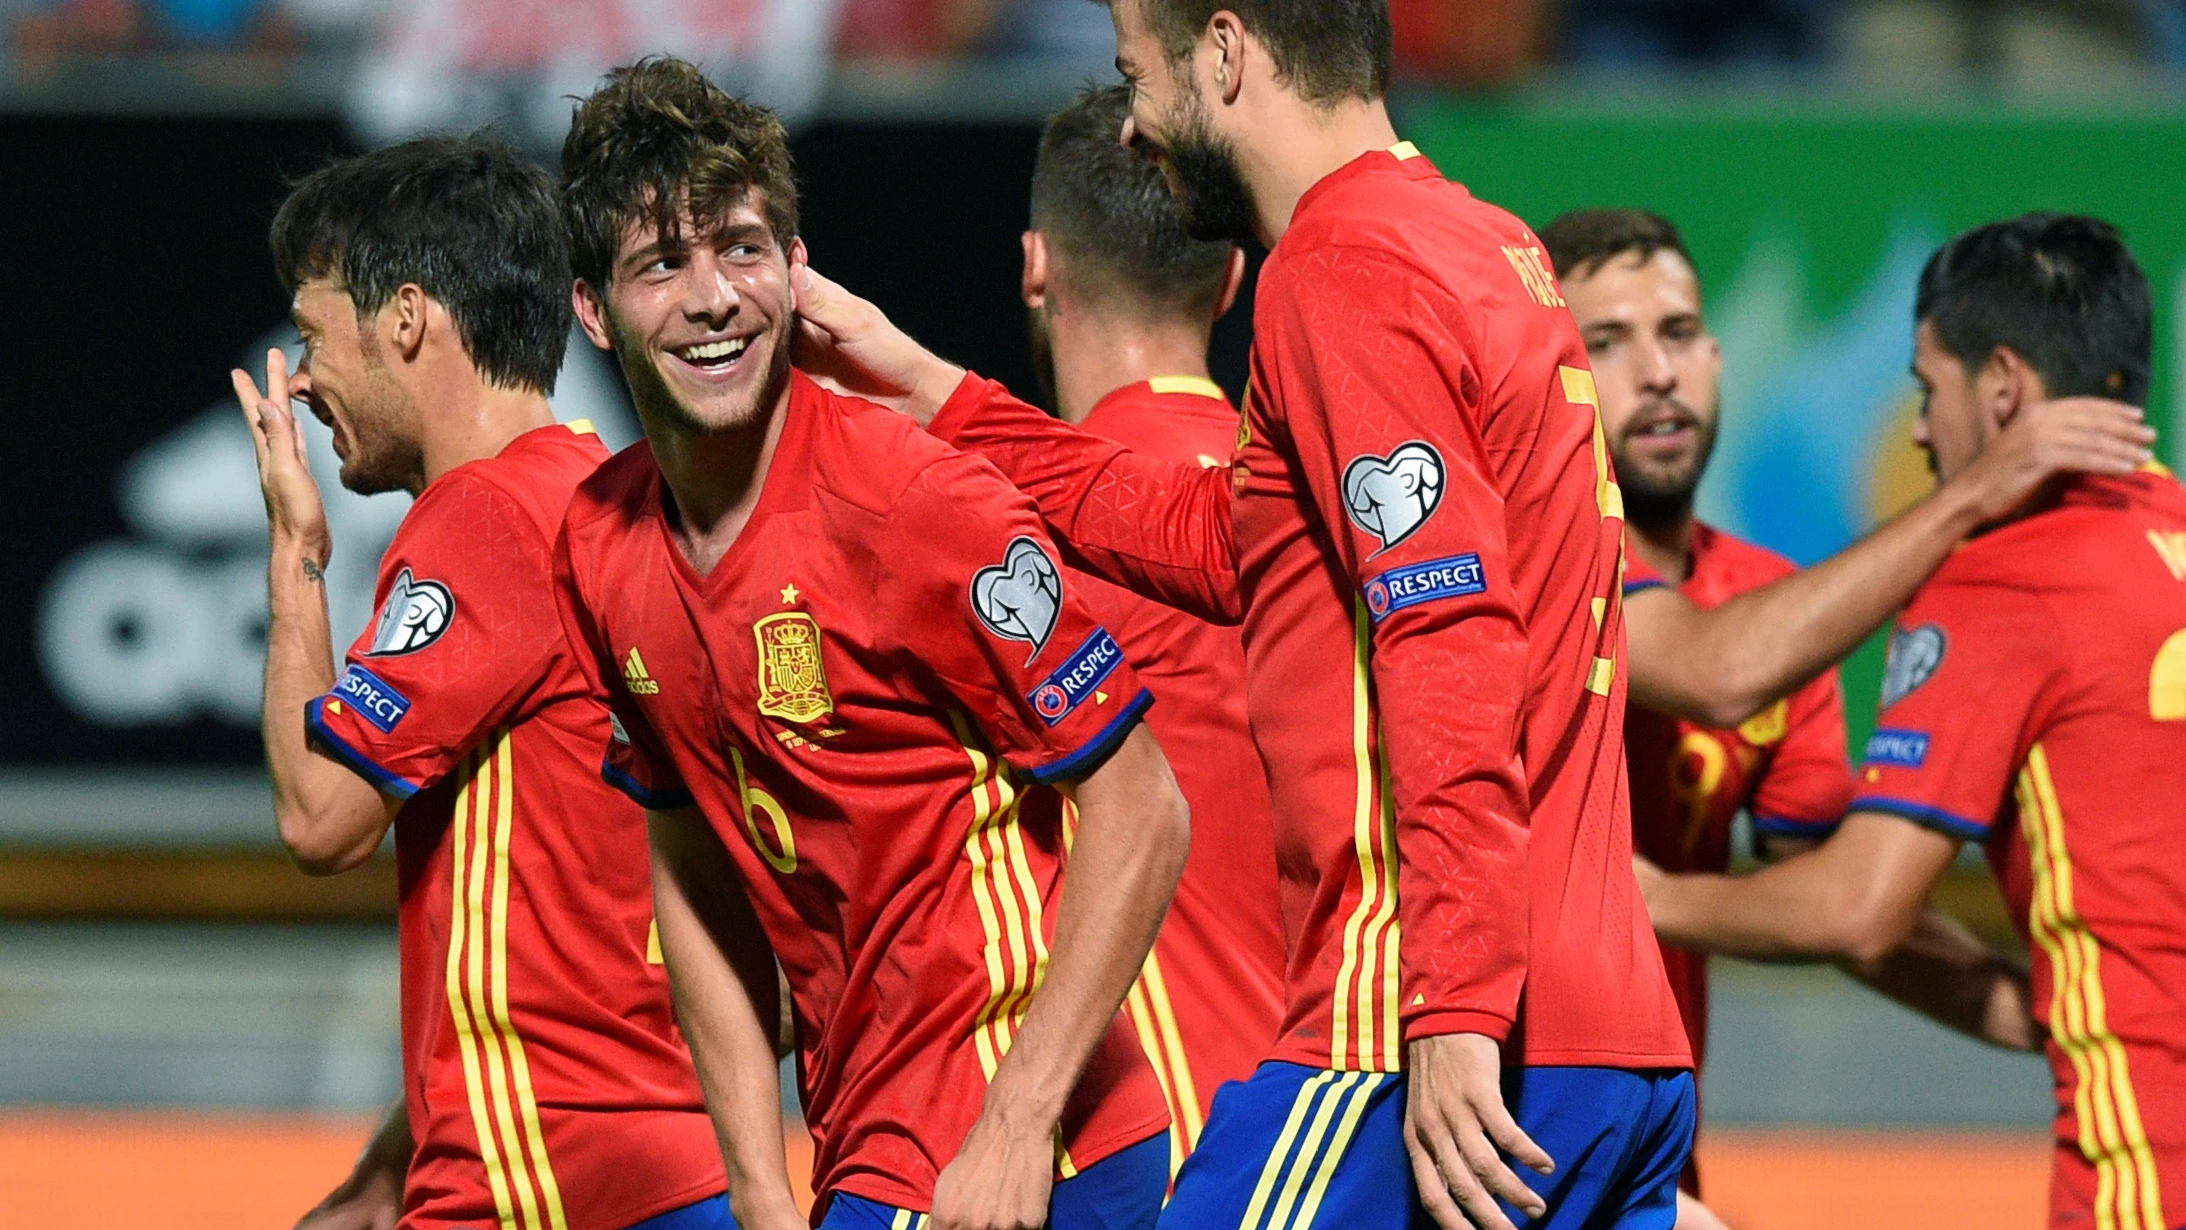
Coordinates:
616 487
863 455
1176 418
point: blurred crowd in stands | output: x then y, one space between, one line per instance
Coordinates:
1454 42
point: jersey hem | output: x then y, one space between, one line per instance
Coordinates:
882 1190
650 800
384 780
1787 826
1097 750
636 1214
1635 1061
1936 818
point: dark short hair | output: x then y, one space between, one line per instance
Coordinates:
1582 241
1112 220
659 136
2062 291
463 218
1326 50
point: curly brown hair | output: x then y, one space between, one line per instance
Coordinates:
659 138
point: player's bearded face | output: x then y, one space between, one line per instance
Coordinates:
701 320
1200 164
345 380
1658 372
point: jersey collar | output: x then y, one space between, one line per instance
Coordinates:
1403 158
786 487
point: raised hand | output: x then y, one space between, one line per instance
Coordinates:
295 512
851 346
2072 435
1457 1130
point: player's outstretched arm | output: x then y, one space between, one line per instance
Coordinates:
1856 897
1150 525
371 1197
722 974
1721 666
1132 837
1945 973
330 819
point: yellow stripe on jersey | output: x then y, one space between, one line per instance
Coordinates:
2105 1108
1199 385
462 928
1153 1018
1363 1012
527 1101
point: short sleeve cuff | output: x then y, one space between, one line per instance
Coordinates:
383 779
1788 826
665 798
1640 585
972 394
1946 823
1095 751
1436 1024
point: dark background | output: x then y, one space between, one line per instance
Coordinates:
136 275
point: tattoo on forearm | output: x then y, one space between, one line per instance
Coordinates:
312 573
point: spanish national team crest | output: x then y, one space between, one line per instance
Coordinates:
792 679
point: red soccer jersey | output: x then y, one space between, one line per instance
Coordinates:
1211 999
2035 700
1423 535
863 698
1786 766
547 1084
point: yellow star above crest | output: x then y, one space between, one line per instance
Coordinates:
789 594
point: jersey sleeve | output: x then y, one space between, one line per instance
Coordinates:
972 592
1808 782
633 761
1376 388
1158 527
465 632
1966 670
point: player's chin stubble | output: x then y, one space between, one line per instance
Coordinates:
659 403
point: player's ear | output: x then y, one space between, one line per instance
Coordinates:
2007 384
1227 34
799 257
591 314
1034 286
405 319
1233 280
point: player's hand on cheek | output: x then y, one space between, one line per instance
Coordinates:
2072 435
1457 1131
851 347
1000 1180
295 513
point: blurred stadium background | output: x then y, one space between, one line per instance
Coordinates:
191 1034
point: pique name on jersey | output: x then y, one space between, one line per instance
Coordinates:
1904 749
1077 678
372 698
1413 584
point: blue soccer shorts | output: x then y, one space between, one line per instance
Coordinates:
711 1213
1298 1147
1120 1192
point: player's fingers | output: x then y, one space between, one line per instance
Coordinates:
1504 1132
247 395
1434 1190
1487 1168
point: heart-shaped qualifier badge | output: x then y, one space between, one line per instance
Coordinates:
415 614
1916 654
1020 598
1391 497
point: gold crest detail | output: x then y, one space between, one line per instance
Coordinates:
1768 727
792 679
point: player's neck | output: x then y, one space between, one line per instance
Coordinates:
1104 354
1664 544
1304 145
715 479
477 421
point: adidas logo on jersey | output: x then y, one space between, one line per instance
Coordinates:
635 678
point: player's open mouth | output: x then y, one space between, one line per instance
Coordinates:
716 358
1664 433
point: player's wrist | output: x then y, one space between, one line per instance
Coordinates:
302 552
934 387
